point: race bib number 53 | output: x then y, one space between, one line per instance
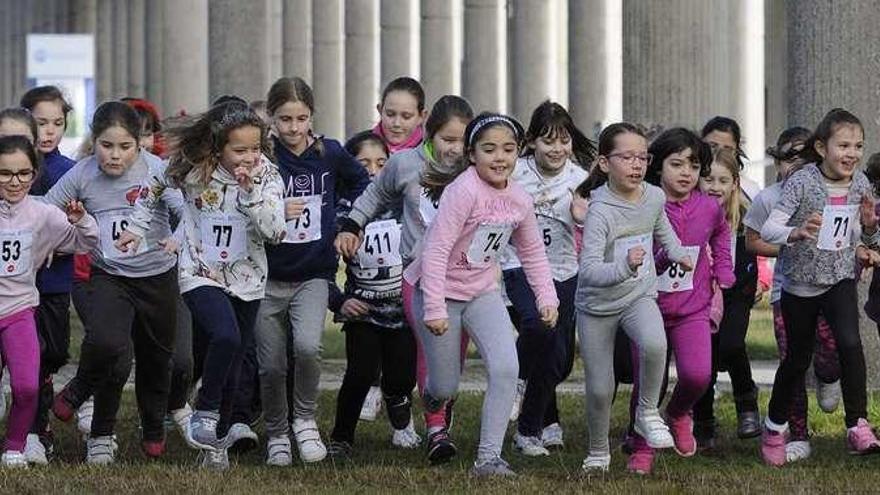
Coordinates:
15 252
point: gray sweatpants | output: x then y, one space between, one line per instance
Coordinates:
295 309
488 324
643 324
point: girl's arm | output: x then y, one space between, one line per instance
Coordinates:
594 270
145 206
352 175
756 245
531 253
377 197
264 206
722 264
65 190
664 232
68 234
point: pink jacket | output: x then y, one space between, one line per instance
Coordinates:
698 221
452 264
29 231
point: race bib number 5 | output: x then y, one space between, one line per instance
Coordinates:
487 243
381 246
837 224
645 241
15 252
224 237
675 279
307 227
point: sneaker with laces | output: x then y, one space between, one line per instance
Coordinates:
596 464
529 446
278 452
440 447
797 450
517 399
860 439
84 417
34 450
339 450
406 438
773 446
153 449
100 451
308 440
551 436
641 461
180 418
372 404
14 459
492 467
240 438
828 395
203 429
216 460
682 429
653 429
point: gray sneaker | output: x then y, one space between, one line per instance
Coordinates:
493 467
203 429
240 438
100 451
217 460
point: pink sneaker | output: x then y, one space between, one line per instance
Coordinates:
682 429
641 461
773 447
861 439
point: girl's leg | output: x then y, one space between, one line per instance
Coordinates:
735 359
644 325
363 353
53 331
399 374
246 319
271 335
21 354
181 360
826 363
597 335
797 415
690 341
307 312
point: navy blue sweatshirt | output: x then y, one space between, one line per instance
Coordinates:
318 170
58 278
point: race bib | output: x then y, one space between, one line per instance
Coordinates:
306 228
645 241
488 241
427 208
111 225
381 246
15 252
837 224
224 237
675 279
555 236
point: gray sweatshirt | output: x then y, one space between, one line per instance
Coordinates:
606 284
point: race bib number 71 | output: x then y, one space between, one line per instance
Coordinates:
837 224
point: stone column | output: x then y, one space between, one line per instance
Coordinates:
440 47
63 16
361 64
239 51
275 22
484 78
776 68
297 34
104 51
6 53
84 15
17 68
327 63
532 56
587 63
155 42
121 53
137 59
185 56
400 38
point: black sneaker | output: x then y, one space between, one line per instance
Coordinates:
748 424
704 433
339 451
440 447
399 411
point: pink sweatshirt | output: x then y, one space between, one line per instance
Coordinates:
698 221
29 231
459 256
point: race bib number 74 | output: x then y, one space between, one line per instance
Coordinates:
487 243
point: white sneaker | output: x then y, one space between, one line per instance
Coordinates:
34 450
308 440
217 460
406 438
828 395
372 404
529 446
14 459
84 417
278 452
596 464
517 399
797 450
551 436
181 423
653 429
100 450
240 432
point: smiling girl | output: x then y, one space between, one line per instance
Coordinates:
401 114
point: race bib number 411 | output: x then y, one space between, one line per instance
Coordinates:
381 246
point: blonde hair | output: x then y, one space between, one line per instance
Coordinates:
737 203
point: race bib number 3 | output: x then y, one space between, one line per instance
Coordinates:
675 279
224 237
645 241
381 246
837 224
111 226
307 227
488 241
15 252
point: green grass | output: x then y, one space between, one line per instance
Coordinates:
376 467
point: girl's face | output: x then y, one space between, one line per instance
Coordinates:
720 140
50 124
720 183
494 156
449 142
243 149
116 150
679 174
552 151
372 157
16 176
627 163
400 116
293 124
842 153
12 127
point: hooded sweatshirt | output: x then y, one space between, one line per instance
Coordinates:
58 278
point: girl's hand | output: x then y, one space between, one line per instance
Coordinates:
347 244
687 264
245 177
127 241
867 257
868 214
353 308
549 316
635 257
437 327
578 208
169 245
809 230
293 208
75 211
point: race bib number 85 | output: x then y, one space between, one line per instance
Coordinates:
675 279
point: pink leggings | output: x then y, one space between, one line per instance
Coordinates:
21 355
436 419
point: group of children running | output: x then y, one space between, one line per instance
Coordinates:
206 253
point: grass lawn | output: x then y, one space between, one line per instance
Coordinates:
376 467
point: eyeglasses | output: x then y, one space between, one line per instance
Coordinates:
628 157
23 176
